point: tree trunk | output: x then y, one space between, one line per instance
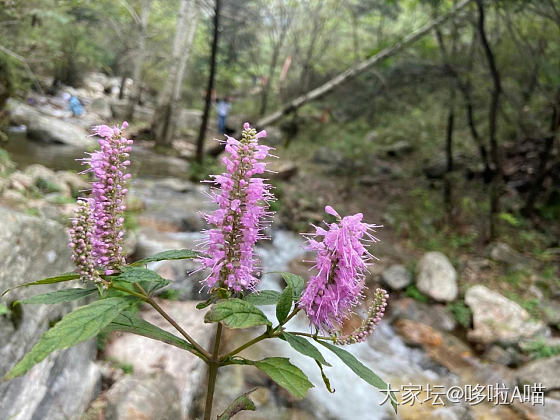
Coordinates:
139 59
164 121
358 68
492 123
210 87
542 169
266 88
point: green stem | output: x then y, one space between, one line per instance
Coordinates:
213 365
320 337
164 314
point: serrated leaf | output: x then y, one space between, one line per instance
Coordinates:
284 304
263 297
60 296
243 402
173 254
302 345
359 369
326 380
285 374
77 326
296 282
236 313
48 280
129 322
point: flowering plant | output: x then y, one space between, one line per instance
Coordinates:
242 198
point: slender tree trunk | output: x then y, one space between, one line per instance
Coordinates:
268 86
210 87
163 123
358 68
542 169
139 59
495 187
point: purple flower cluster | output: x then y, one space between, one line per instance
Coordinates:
341 264
81 235
243 201
374 316
108 165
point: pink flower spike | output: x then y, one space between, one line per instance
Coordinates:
246 126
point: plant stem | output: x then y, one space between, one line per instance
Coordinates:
320 337
263 336
213 365
164 314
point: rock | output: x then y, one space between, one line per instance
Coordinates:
371 136
20 181
436 168
175 184
398 149
541 371
498 319
102 108
551 312
434 315
49 181
397 277
503 253
436 277
13 198
282 171
501 356
46 128
119 109
149 356
143 396
63 385
188 121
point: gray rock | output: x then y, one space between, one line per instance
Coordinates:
398 149
46 128
143 396
436 316
47 180
396 277
188 120
551 312
63 385
119 109
498 319
503 253
274 136
149 356
543 371
436 277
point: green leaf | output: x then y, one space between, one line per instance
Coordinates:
243 402
236 313
295 281
48 280
80 325
129 322
359 369
303 346
285 374
4 310
284 304
206 303
326 380
148 279
173 254
60 296
263 297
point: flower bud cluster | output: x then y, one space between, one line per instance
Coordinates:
81 235
375 314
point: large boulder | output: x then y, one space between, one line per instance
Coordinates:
61 386
503 253
47 128
498 319
436 277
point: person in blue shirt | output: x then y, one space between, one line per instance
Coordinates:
76 106
222 108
